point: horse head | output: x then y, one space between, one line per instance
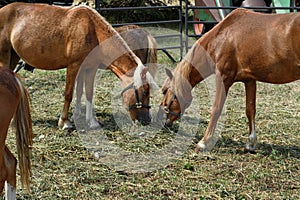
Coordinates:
136 95
170 109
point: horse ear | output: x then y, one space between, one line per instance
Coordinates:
169 73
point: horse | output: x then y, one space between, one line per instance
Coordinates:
245 47
143 45
15 104
72 38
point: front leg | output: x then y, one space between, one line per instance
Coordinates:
79 91
10 163
89 92
250 112
10 192
209 139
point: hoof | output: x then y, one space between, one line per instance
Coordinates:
67 126
200 148
94 124
250 149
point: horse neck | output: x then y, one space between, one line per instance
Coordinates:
194 68
126 76
114 50
128 70
126 64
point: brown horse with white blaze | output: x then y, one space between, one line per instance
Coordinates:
66 40
15 104
245 47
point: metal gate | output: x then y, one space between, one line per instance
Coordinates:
183 21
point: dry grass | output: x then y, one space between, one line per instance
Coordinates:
64 168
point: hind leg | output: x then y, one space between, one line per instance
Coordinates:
2 169
13 60
8 57
10 163
250 112
72 71
5 53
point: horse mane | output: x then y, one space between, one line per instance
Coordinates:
152 55
100 21
195 66
181 81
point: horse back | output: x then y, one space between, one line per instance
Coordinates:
59 35
256 46
142 43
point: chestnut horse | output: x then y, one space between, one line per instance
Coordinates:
143 45
15 103
244 47
71 38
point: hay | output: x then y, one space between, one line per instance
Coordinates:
65 168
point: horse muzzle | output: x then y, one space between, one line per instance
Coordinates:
144 120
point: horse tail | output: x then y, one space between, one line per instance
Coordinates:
152 55
24 136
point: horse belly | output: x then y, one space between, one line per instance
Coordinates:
278 74
267 62
38 50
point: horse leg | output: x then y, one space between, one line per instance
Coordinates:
250 112
14 60
8 56
79 91
10 163
5 52
89 92
209 140
3 173
70 82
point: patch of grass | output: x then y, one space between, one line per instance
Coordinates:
64 167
